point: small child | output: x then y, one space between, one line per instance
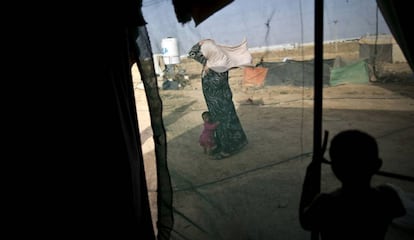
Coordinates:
206 139
356 210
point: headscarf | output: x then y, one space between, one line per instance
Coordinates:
221 58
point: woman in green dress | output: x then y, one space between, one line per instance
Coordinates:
217 61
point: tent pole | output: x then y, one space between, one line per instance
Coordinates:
318 87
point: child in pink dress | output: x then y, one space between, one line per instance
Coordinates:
207 135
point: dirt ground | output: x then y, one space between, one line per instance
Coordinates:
255 193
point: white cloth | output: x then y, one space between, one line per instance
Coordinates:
221 58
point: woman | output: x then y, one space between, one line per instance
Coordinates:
217 60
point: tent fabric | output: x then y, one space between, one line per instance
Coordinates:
78 153
294 73
376 52
80 143
352 73
199 10
142 54
300 73
254 76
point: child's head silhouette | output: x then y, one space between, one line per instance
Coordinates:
206 116
354 156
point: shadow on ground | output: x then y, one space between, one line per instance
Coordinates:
255 193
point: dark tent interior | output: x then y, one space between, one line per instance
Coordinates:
83 167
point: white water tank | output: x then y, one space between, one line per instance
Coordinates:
169 48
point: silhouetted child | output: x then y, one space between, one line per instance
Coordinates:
356 210
206 139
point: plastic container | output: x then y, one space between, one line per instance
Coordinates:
169 48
